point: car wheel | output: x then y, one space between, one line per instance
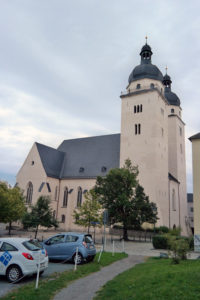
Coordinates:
79 259
14 273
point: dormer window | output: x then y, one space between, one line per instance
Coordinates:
152 86
81 170
32 163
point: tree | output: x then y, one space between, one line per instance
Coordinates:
40 215
124 198
12 206
89 214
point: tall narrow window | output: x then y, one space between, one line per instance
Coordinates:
138 86
63 219
65 197
29 193
141 108
135 108
173 200
135 128
139 128
56 194
79 197
54 214
181 148
180 128
138 108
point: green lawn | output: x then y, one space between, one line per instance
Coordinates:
48 287
157 279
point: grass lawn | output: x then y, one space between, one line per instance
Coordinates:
48 287
156 279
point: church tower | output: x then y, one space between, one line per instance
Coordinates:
145 138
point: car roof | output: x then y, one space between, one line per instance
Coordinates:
71 232
16 239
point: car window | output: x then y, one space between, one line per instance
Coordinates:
71 238
56 240
88 239
32 245
8 247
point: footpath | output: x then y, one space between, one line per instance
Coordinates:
86 288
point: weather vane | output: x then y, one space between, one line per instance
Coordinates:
146 37
166 69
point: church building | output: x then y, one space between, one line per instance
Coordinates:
152 137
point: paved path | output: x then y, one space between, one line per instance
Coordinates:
85 288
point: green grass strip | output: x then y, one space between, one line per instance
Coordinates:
156 279
49 287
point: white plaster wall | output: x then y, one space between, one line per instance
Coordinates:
149 150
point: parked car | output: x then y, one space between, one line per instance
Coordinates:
63 247
19 257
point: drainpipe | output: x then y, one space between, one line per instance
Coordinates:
169 203
179 207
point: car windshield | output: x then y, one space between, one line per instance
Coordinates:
32 245
88 239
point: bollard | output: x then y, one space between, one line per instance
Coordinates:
100 254
75 265
113 249
123 250
38 272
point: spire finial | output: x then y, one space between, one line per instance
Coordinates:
146 37
166 68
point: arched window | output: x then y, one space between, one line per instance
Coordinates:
152 86
172 111
29 193
54 214
79 197
135 128
63 219
138 86
65 197
56 193
173 200
135 108
138 108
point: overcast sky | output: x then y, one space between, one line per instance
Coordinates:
63 65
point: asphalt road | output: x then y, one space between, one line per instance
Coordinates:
53 267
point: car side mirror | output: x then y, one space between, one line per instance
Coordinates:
47 243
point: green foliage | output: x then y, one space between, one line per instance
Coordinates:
50 286
120 193
178 248
162 229
175 231
12 206
40 215
160 242
90 211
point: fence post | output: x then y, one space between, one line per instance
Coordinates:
113 248
38 272
75 265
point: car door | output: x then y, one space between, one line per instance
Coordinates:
8 255
71 244
54 246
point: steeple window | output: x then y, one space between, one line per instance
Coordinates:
29 193
152 86
138 86
65 197
172 111
137 108
137 129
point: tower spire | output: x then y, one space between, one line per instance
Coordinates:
146 37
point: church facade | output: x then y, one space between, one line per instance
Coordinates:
152 137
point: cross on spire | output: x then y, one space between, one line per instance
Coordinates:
166 68
146 37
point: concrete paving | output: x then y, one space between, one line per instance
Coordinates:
86 288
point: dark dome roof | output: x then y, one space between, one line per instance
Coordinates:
166 78
145 71
146 47
171 97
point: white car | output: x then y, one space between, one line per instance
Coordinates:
20 257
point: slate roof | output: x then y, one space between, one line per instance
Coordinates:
81 158
52 160
195 137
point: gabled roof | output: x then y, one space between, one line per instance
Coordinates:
52 160
90 157
81 158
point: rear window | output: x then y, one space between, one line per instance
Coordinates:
32 245
71 238
88 239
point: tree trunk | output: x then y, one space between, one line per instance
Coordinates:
125 234
9 228
36 231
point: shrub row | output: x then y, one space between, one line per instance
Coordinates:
161 241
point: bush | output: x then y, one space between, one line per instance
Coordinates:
160 242
178 248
